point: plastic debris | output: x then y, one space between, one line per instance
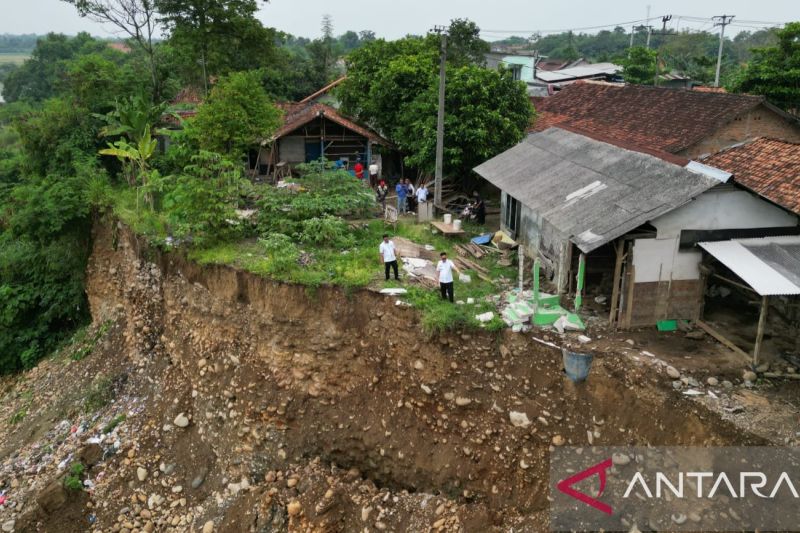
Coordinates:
393 291
485 317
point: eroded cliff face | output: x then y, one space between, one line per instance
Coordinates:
263 405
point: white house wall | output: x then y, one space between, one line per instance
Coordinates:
725 207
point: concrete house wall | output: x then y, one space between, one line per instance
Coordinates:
667 280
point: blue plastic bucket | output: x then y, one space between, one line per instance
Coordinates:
576 365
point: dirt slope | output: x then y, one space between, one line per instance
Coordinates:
257 406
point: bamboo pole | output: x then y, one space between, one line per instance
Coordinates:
612 318
762 319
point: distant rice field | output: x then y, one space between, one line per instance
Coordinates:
13 58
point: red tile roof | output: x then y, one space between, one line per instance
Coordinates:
665 119
299 114
768 167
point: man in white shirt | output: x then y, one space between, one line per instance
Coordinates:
445 269
422 194
388 257
373 174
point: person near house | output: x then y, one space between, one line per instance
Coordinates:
479 209
422 194
359 170
380 194
444 269
402 192
373 173
389 257
411 196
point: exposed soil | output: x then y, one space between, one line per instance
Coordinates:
310 411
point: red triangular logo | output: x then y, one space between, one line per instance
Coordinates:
565 486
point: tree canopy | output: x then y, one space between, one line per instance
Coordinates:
639 67
775 71
394 87
236 116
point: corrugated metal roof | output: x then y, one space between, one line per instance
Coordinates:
591 191
574 73
770 265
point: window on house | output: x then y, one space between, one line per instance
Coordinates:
511 217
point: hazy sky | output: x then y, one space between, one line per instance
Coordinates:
395 18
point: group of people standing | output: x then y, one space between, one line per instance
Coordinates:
408 197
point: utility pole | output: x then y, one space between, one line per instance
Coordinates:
722 21
664 21
649 27
437 191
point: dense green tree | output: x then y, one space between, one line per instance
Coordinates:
639 67
40 76
236 116
464 44
215 37
775 71
136 18
486 112
394 87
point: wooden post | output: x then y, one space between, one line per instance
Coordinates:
536 267
612 316
629 298
521 273
762 319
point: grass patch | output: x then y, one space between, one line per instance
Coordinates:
14 58
359 266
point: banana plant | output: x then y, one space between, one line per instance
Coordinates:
135 158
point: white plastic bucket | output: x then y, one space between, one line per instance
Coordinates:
457 224
448 219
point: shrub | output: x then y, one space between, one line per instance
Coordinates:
282 253
73 479
201 203
327 231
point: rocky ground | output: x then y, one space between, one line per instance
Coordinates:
213 400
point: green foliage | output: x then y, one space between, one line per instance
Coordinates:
200 203
282 253
326 231
639 67
236 116
323 193
116 421
492 113
464 44
82 345
39 78
74 479
775 71
55 137
222 35
394 87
